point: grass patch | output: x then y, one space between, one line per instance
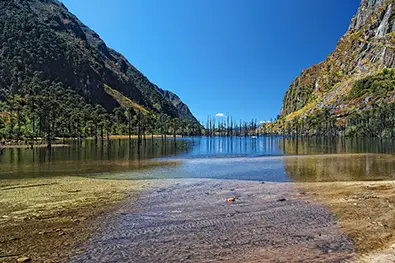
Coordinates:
122 100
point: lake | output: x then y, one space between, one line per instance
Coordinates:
270 158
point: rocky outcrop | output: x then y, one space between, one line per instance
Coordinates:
181 107
367 47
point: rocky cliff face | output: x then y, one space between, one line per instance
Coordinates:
181 107
367 47
41 41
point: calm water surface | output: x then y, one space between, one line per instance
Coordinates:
262 159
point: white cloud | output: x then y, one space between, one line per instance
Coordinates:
263 122
220 115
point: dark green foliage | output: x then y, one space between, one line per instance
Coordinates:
378 121
52 75
376 86
303 95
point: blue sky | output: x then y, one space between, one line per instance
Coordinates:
221 56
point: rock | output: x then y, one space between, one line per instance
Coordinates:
231 199
24 259
281 200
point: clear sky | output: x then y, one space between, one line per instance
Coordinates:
221 56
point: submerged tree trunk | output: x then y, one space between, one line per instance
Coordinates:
49 137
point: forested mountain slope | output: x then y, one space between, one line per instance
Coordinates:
53 67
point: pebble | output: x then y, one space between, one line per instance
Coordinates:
231 199
281 200
24 259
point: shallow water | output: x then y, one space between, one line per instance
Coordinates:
274 159
188 221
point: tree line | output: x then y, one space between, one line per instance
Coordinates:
227 126
376 122
48 110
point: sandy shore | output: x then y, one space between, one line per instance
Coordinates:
45 219
52 220
365 211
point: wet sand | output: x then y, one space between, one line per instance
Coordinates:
191 221
366 212
73 219
47 218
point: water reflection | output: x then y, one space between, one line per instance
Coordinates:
265 158
277 146
341 167
86 157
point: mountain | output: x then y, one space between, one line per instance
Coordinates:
45 50
181 107
356 76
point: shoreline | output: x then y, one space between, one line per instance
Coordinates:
26 146
47 219
40 216
57 142
365 211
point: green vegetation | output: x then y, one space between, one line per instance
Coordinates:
377 121
49 111
367 111
375 86
59 79
122 100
